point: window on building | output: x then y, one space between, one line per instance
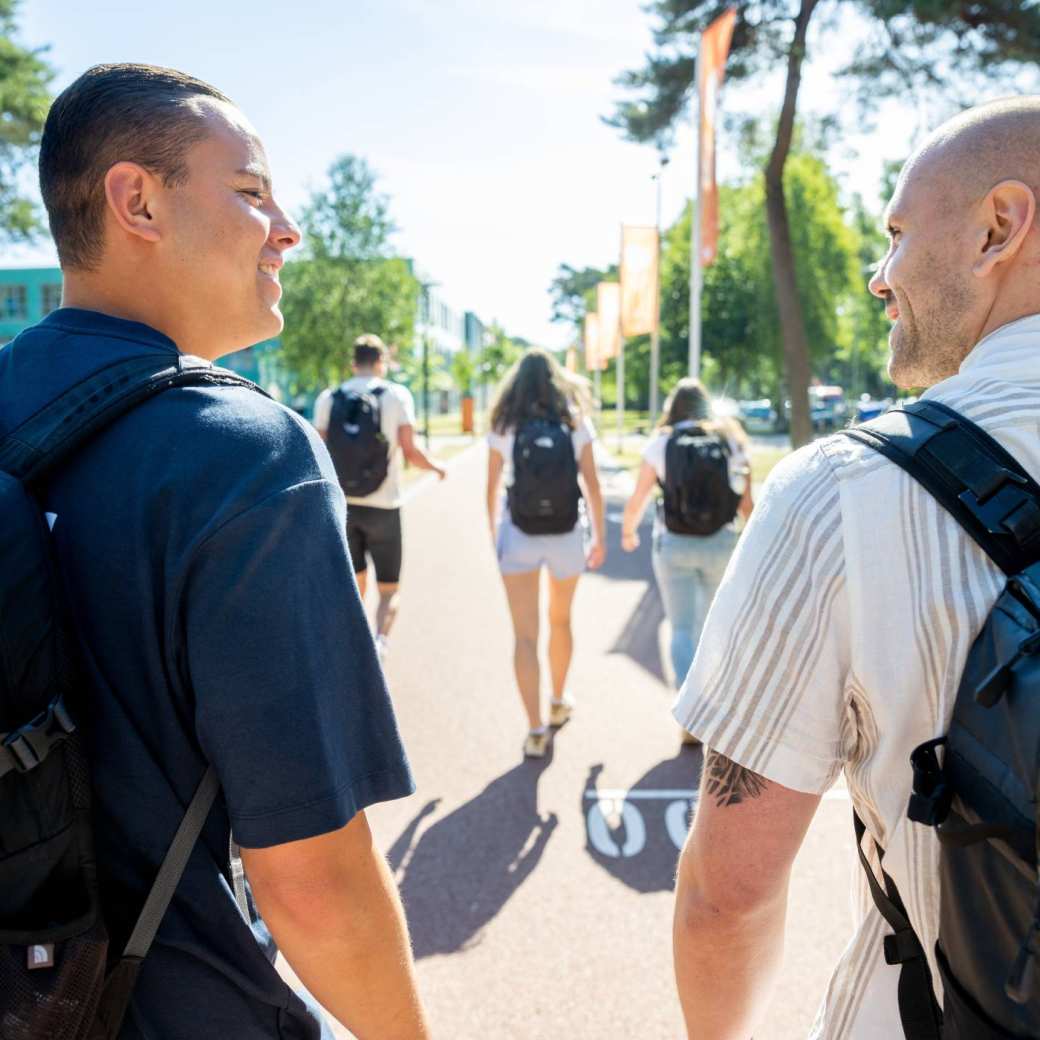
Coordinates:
14 302
51 298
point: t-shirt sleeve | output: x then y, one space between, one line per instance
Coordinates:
323 411
290 702
584 433
499 442
407 403
767 687
653 454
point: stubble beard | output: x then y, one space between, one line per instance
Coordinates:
927 351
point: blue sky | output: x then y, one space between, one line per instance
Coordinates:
482 118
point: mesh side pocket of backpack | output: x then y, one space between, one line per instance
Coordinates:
53 961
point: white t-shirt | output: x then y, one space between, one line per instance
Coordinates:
837 640
582 434
739 467
397 409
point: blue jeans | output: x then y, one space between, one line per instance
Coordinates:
689 570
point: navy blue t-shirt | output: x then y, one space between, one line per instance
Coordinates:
202 542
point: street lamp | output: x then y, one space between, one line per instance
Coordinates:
655 335
426 287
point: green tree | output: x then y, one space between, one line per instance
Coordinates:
500 353
573 292
739 312
24 99
911 44
346 280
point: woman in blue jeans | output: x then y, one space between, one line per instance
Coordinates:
689 567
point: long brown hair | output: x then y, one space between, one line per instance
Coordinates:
689 400
534 388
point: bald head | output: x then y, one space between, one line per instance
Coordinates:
964 257
973 152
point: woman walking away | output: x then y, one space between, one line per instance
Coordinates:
541 441
701 465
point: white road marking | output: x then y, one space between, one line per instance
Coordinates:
613 808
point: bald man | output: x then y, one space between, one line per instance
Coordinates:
837 640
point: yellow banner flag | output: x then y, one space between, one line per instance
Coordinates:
715 41
593 362
608 304
638 280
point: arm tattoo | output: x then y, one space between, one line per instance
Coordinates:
728 783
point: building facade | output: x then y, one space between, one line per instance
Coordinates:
27 294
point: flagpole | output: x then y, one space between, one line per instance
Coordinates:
696 274
619 370
655 335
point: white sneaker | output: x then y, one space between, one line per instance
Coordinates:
537 743
560 710
381 648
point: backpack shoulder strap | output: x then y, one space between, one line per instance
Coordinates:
52 433
972 476
919 1011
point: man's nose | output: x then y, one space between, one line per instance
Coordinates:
877 284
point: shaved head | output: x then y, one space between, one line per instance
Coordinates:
964 257
976 150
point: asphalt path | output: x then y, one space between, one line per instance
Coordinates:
539 894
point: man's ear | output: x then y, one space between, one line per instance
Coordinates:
131 193
1008 214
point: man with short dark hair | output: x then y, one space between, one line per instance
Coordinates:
374 518
837 640
201 542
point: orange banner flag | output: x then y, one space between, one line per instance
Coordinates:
715 41
608 304
638 280
593 362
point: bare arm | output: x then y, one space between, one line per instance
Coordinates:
415 455
731 898
747 504
333 909
594 497
495 465
636 506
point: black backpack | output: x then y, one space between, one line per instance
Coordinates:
978 785
57 978
544 495
355 440
698 497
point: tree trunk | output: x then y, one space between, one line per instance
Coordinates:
792 321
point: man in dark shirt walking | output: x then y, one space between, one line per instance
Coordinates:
201 542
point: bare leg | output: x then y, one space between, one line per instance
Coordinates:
362 583
522 592
386 612
561 640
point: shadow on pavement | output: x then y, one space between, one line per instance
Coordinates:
635 835
465 867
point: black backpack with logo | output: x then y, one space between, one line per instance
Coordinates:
698 496
360 451
58 979
978 785
544 495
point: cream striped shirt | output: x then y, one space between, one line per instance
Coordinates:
837 640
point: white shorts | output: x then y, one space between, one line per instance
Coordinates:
518 552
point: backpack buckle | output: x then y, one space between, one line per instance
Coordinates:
27 746
932 796
901 947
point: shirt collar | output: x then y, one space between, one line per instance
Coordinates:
1011 352
94 323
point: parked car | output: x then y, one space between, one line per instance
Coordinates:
828 408
868 408
758 415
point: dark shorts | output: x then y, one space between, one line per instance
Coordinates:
376 533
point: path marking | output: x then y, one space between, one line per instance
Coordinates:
614 808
